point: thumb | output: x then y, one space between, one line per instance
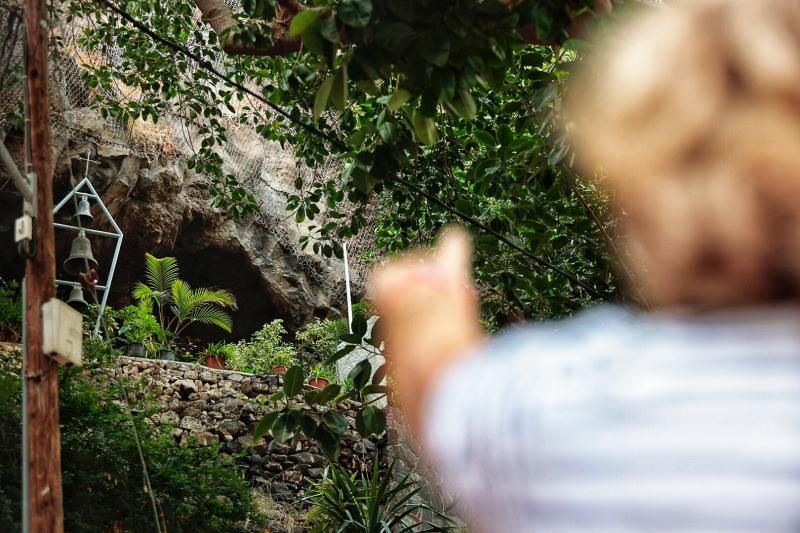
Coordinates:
454 253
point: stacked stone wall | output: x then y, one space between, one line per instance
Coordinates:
199 405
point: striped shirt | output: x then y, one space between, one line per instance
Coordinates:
611 422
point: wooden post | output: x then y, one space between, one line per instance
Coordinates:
45 513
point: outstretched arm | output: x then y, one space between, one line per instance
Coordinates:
429 315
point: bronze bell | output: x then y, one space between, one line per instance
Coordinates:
84 213
76 300
79 254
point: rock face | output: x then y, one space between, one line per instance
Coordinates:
165 209
221 407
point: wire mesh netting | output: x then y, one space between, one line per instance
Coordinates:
172 137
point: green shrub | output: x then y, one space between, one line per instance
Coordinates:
139 326
319 339
102 476
10 312
265 348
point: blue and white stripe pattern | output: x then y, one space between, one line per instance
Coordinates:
610 422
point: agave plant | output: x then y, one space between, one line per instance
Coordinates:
355 503
177 304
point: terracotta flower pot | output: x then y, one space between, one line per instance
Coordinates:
318 383
215 361
279 370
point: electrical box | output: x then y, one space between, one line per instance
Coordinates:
23 228
62 332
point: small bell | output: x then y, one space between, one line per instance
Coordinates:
79 254
84 213
76 300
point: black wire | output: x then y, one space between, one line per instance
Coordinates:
475 222
205 64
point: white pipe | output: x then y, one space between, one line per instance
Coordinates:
347 289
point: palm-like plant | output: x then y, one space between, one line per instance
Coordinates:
349 503
177 304
160 274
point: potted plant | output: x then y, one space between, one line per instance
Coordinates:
139 331
216 353
321 376
177 305
281 361
166 349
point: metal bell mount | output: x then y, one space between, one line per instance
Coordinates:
79 254
84 212
76 300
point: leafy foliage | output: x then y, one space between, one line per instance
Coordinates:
102 476
139 326
308 412
265 349
10 312
318 340
439 112
353 503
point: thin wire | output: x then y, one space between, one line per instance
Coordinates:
341 145
542 262
206 65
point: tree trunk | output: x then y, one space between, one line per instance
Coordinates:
220 17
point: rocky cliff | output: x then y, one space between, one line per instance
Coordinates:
165 209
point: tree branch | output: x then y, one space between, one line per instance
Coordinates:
576 29
221 19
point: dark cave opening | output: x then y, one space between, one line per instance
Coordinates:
212 267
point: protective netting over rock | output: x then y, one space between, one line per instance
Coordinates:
263 167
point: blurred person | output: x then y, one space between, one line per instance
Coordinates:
686 419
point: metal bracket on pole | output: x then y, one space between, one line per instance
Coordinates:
29 206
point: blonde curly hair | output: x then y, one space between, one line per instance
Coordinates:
691 116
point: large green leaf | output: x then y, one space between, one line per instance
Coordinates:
302 21
424 128
360 374
341 352
322 97
335 422
280 429
339 89
329 393
355 13
399 97
328 441
265 424
370 421
293 381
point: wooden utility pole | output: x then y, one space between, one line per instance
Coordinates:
45 513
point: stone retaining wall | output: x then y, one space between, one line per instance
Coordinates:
222 407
